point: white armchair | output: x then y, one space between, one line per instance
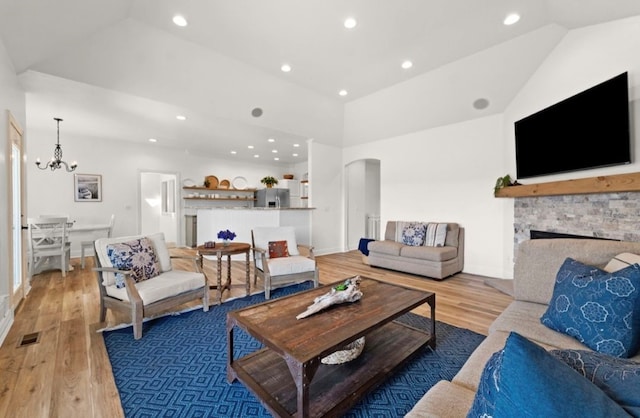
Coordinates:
124 264
276 268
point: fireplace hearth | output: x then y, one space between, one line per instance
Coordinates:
536 234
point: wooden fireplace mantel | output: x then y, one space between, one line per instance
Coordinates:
628 182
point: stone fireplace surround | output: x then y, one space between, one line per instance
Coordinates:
603 215
604 206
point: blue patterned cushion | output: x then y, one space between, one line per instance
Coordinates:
138 256
413 234
484 404
618 378
526 381
599 309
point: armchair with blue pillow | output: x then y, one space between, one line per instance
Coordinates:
136 278
567 346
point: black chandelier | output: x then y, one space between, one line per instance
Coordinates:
56 161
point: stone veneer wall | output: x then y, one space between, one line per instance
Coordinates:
606 215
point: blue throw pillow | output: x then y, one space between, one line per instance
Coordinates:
618 378
529 382
599 309
484 403
137 256
413 234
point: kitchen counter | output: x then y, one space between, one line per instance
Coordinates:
243 220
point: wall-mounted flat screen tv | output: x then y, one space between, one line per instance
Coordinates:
588 130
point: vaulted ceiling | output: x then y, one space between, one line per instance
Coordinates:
122 69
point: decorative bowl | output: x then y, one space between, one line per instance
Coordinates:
349 352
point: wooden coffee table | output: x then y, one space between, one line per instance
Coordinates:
287 374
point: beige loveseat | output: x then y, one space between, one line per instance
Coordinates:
536 265
429 261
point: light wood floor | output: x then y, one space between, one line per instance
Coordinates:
67 372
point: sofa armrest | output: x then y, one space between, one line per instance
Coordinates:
129 284
260 254
195 260
306 250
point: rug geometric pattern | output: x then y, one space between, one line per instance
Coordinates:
178 368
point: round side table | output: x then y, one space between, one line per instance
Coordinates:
219 251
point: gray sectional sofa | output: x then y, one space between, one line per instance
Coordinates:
536 265
433 262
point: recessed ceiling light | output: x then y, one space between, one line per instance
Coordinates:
276 158
285 68
256 156
294 154
407 64
275 151
181 117
271 140
180 20
153 140
234 152
343 92
250 146
296 145
350 23
511 19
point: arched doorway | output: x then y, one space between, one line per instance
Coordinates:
362 201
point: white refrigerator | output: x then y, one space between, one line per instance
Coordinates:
294 191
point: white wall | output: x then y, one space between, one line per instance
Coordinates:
11 99
445 174
119 163
326 192
584 58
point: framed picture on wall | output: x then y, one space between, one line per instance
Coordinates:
87 188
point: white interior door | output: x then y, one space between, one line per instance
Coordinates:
159 205
19 281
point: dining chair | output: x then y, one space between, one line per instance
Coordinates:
88 245
280 260
48 240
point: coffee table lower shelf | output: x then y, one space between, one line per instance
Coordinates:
334 388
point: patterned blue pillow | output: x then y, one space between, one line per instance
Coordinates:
138 256
484 404
526 381
413 234
618 378
599 309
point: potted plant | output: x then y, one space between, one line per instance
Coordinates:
269 181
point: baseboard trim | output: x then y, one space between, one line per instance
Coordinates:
5 325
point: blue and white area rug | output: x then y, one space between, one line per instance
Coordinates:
178 368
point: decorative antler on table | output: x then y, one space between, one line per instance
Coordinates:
349 291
